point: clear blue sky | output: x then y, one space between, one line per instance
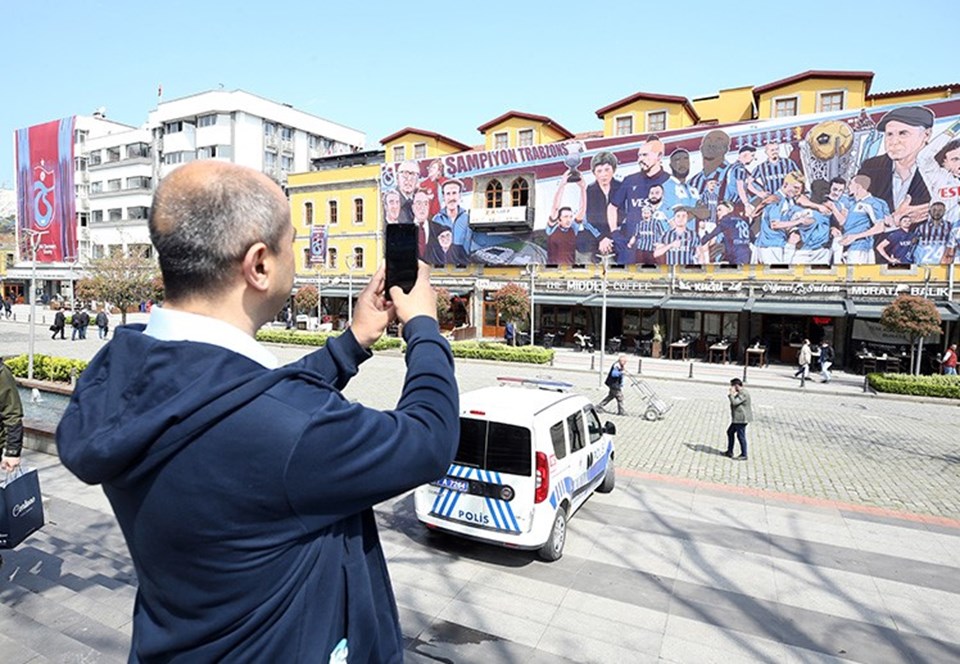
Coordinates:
444 66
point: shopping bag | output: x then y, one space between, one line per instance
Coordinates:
22 507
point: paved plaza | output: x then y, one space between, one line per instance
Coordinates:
838 540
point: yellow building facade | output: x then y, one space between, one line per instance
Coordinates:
750 303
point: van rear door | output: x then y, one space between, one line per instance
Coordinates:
490 484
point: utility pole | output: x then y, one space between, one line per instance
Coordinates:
33 237
604 261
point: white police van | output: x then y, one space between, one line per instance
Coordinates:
527 460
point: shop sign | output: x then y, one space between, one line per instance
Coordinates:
596 286
709 286
798 288
899 289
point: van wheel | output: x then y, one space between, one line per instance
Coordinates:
609 478
553 549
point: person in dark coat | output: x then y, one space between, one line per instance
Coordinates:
245 490
614 384
103 324
740 415
59 323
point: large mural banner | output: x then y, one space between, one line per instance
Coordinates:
46 198
874 186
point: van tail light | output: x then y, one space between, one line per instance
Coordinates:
543 479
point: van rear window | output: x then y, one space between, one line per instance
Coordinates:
501 448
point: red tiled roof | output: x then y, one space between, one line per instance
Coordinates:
816 73
424 132
526 116
652 96
946 87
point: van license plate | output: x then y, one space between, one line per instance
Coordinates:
453 484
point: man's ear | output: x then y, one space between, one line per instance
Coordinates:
257 267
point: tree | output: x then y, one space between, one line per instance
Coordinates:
444 310
513 303
123 281
914 317
306 299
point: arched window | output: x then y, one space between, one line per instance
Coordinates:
358 258
494 194
308 213
519 192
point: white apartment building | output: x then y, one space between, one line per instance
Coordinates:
118 166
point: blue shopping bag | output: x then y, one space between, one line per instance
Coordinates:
22 507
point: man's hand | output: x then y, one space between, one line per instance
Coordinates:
420 301
372 313
606 246
9 463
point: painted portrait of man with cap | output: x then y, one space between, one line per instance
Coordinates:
895 176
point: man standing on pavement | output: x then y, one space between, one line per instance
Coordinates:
11 418
740 416
103 324
949 361
59 322
826 360
244 490
614 383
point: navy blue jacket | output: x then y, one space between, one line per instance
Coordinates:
245 494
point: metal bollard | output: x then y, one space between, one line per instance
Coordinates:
73 377
593 360
690 375
803 379
745 373
639 365
866 387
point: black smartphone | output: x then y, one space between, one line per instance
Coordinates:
401 255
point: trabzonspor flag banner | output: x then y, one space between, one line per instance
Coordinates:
46 197
879 185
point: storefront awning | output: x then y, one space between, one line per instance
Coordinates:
796 308
949 311
699 304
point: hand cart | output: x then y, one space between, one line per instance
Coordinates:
656 407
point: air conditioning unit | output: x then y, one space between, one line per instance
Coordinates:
503 219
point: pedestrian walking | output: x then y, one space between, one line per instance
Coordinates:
826 360
245 490
103 324
76 322
949 361
510 334
7 306
59 323
740 416
614 384
84 323
804 357
11 419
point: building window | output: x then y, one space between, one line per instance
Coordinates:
332 212
831 101
113 185
173 127
79 136
358 258
419 150
494 192
519 192
286 133
83 219
177 157
207 120
623 125
96 216
95 157
308 213
80 164
138 182
114 214
286 163
113 154
138 151
358 210
269 129
784 108
137 212
269 160
331 257
96 187
525 138
501 140
657 121
399 152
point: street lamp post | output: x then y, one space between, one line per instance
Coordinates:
532 269
33 237
604 260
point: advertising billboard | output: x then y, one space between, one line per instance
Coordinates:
46 197
866 186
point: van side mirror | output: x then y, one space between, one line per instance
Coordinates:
610 428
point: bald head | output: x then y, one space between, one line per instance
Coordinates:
204 217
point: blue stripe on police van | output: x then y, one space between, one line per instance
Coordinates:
509 508
450 497
441 492
457 494
499 518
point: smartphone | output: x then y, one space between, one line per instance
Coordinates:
401 255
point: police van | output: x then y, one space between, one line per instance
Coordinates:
531 452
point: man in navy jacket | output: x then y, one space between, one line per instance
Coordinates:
244 491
